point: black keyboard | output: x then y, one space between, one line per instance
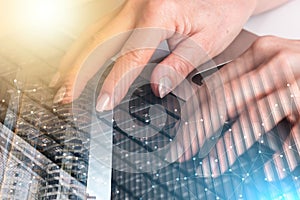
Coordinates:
46 149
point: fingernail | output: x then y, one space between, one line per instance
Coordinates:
60 95
165 86
54 79
103 102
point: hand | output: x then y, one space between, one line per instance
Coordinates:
260 89
211 25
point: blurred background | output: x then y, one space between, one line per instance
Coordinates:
49 16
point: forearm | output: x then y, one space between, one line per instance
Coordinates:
264 5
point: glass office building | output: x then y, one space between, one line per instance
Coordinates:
52 151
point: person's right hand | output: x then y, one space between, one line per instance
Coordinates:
195 30
260 91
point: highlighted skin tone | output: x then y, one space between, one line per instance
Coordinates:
266 74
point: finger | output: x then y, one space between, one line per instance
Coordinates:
68 59
285 161
134 56
102 47
204 123
220 157
257 120
260 52
262 81
185 57
253 121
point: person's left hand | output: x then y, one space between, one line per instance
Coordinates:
260 89
195 31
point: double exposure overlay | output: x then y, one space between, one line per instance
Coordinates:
201 141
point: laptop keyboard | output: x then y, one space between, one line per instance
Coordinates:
48 150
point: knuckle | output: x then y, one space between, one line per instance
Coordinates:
283 57
264 43
156 9
182 66
134 58
207 47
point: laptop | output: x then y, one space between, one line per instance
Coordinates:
73 152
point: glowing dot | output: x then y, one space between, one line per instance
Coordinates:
31 112
296 177
3 100
157 175
194 158
292 95
54 110
245 137
201 120
62 127
200 163
283 169
290 147
205 189
177 179
262 124
259 151
262 141
186 123
230 169
185 178
243 179
175 110
216 160
288 85
281 156
230 130
247 174
44 127
34 90
230 147
15 81
19 91
276 105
